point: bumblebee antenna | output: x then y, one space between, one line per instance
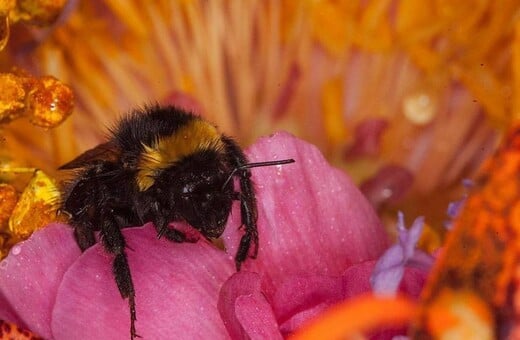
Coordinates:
255 165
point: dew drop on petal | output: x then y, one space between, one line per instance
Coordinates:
16 250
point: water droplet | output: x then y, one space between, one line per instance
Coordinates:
419 108
16 250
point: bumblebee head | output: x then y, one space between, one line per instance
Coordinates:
200 194
203 204
201 191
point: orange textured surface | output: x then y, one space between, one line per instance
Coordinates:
482 252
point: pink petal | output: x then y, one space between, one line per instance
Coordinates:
302 297
413 282
256 317
356 279
176 285
299 319
238 323
31 274
303 292
7 312
312 218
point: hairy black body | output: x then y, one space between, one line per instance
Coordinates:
160 165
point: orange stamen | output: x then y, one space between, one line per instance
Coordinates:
357 315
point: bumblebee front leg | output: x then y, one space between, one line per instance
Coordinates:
248 210
84 236
249 216
161 222
114 243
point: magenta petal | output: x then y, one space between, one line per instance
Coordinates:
356 279
312 218
176 285
299 293
30 275
7 312
255 315
241 283
302 297
413 282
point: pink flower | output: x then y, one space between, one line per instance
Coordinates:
319 239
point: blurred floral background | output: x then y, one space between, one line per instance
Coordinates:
408 97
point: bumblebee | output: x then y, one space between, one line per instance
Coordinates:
160 165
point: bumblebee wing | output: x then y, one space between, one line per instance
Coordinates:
103 152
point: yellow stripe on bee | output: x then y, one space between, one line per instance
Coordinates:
197 135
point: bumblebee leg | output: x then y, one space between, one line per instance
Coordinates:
170 234
114 243
84 237
248 210
161 225
250 238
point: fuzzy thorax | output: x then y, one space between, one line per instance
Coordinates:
197 135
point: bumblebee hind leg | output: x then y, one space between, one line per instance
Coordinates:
81 199
114 243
